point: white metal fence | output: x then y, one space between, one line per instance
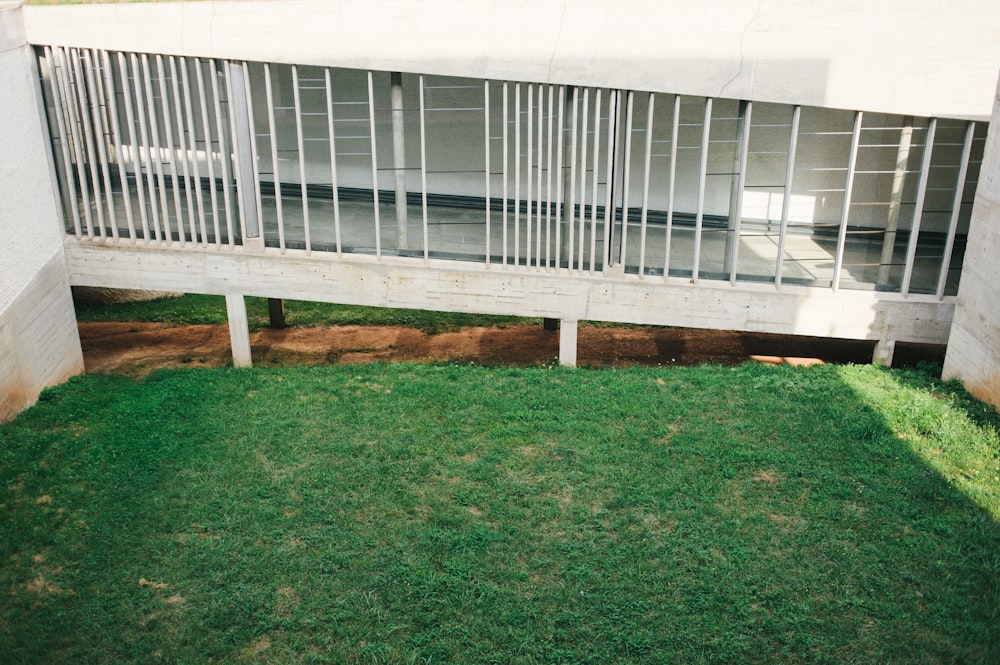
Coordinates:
174 151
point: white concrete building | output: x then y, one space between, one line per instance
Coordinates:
782 167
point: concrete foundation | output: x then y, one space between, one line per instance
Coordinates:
974 347
39 344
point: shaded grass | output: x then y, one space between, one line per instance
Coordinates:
195 309
400 513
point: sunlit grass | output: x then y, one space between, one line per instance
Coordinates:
401 513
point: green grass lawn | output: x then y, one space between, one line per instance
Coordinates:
192 309
445 514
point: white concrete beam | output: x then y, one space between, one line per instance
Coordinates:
933 58
452 286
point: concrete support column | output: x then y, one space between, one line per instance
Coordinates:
884 348
239 332
974 345
39 343
895 200
567 342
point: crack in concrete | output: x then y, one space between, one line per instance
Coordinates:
743 36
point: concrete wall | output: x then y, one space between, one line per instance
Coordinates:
39 344
974 347
925 58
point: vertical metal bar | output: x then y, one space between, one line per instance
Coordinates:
571 194
671 186
528 155
918 206
275 170
67 192
371 128
559 171
225 156
333 159
538 188
423 171
626 179
702 174
505 169
193 150
956 207
182 151
517 173
92 157
156 153
793 142
746 110
595 177
609 208
645 185
250 134
486 146
581 228
303 190
209 155
64 138
399 156
100 135
117 141
101 131
71 85
141 118
171 161
242 130
240 157
548 186
129 90
845 212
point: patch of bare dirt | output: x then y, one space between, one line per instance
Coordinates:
138 348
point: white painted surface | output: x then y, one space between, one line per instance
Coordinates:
450 286
974 347
924 57
567 342
37 325
239 333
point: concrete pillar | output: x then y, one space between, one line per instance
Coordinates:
567 343
884 349
39 343
974 345
276 313
895 200
239 332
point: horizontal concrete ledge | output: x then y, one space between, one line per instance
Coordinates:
893 56
563 294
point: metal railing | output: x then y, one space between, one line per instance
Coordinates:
202 153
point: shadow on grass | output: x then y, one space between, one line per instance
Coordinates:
399 513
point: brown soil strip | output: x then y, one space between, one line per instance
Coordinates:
138 348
